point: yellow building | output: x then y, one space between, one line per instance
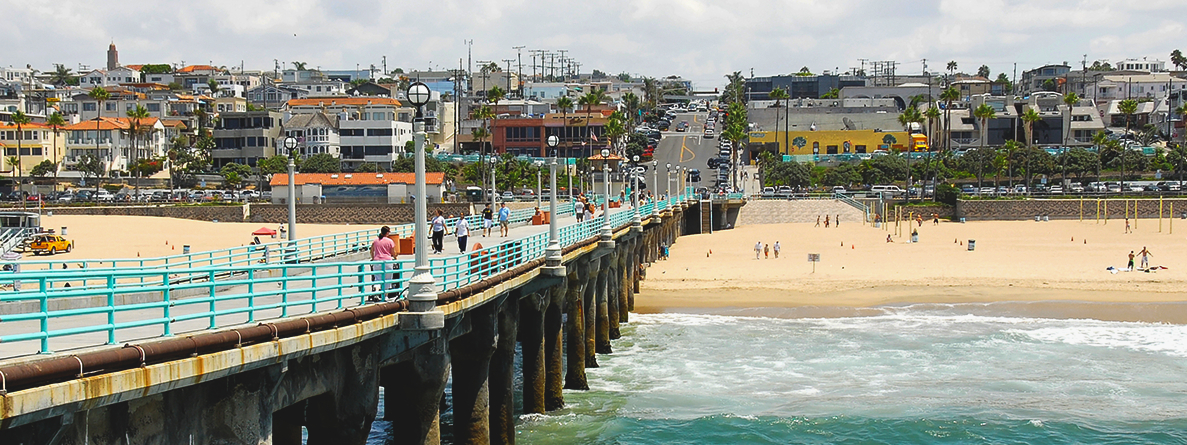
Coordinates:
831 142
37 142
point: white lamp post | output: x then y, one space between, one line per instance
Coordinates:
655 188
552 254
494 191
290 143
636 219
422 288
668 187
539 173
607 231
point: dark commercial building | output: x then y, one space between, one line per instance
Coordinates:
809 87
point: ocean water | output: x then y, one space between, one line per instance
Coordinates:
908 375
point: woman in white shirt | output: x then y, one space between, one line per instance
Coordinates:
438 233
462 230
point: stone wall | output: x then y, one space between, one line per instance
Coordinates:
273 213
1010 210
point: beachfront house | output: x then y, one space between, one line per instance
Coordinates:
356 188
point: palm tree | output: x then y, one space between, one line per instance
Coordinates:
1128 107
20 120
589 100
780 94
632 104
494 95
1071 100
61 75
1011 148
1029 118
1099 139
135 128
985 112
101 95
949 95
565 105
55 123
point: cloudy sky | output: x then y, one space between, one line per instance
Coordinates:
700 40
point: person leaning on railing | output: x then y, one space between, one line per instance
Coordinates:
383 251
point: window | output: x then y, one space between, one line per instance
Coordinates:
859 149
351 132
90 106
257 122
110 106
153 108
831 149
379 132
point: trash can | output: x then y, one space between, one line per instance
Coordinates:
1038 218
877 225
63 230
962 220
972 245
1046 218
185 250
914 237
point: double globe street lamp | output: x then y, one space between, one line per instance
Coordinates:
552 254
422 287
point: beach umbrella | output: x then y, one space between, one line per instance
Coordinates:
264 231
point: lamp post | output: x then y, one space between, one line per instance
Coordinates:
552 254
539 173
290 144
422 287
668 187
636 219
607 231
494 192
655 188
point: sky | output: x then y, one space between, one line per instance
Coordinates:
700 40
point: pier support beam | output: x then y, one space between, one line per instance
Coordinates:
471 355
602 345
412 400
502 374
531 338
575 326
591 314
554 368
344 414
612 288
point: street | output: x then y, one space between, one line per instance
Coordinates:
689 149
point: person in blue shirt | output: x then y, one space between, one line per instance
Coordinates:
504 219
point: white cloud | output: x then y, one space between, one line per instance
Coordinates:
699 39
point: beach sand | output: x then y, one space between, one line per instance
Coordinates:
110 237
1016 261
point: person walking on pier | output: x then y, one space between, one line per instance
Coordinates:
438 232
504 219
488 220
382 251
757 249
462 230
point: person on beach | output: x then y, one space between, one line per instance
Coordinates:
1145 253
462 230
1127 229
837 221
817 220
1130 266
382 250
888 238
935 219
504 219
766 251
776 250
488 220
757 249
827 220
919 219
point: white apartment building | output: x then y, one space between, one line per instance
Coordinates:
316 133
107 139
105 78
1149 66
1137 86
370 129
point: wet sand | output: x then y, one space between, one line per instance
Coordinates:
1055 268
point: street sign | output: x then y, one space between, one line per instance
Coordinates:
813 258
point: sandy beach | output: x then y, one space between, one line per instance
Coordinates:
1020 261
109 237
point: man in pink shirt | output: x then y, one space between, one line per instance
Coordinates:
382 252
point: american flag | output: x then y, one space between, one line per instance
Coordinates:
594 137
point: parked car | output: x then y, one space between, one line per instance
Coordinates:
50 244
1056 190
784 191
104 196
1076 188
986 191
839 190
768 192
968 189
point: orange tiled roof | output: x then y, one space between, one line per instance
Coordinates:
357 178
173 123
28 126
192 68
337 101
110 123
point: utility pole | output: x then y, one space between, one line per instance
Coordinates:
562 54
1084 77
385 65
469 65
508 73
519 78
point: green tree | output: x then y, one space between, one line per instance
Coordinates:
949 95
1029 117
146 167
321 163
44 168
832 93
20 120
843 175
564 104
882 169
1128 107
89 165
62 75
1178 60
978 162
983 71
1078 161
1069 100
984 112
779 95
735 133
1004 81
55 122
101 95
590 100
213 84
273 165
1011 150
135 130
1177 157
367 167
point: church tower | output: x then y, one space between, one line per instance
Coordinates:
113 57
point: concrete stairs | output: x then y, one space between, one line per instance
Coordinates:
779 211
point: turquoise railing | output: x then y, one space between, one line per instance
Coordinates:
173 297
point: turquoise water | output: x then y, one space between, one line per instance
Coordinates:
906 376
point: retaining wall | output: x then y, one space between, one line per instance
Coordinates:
1013 210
